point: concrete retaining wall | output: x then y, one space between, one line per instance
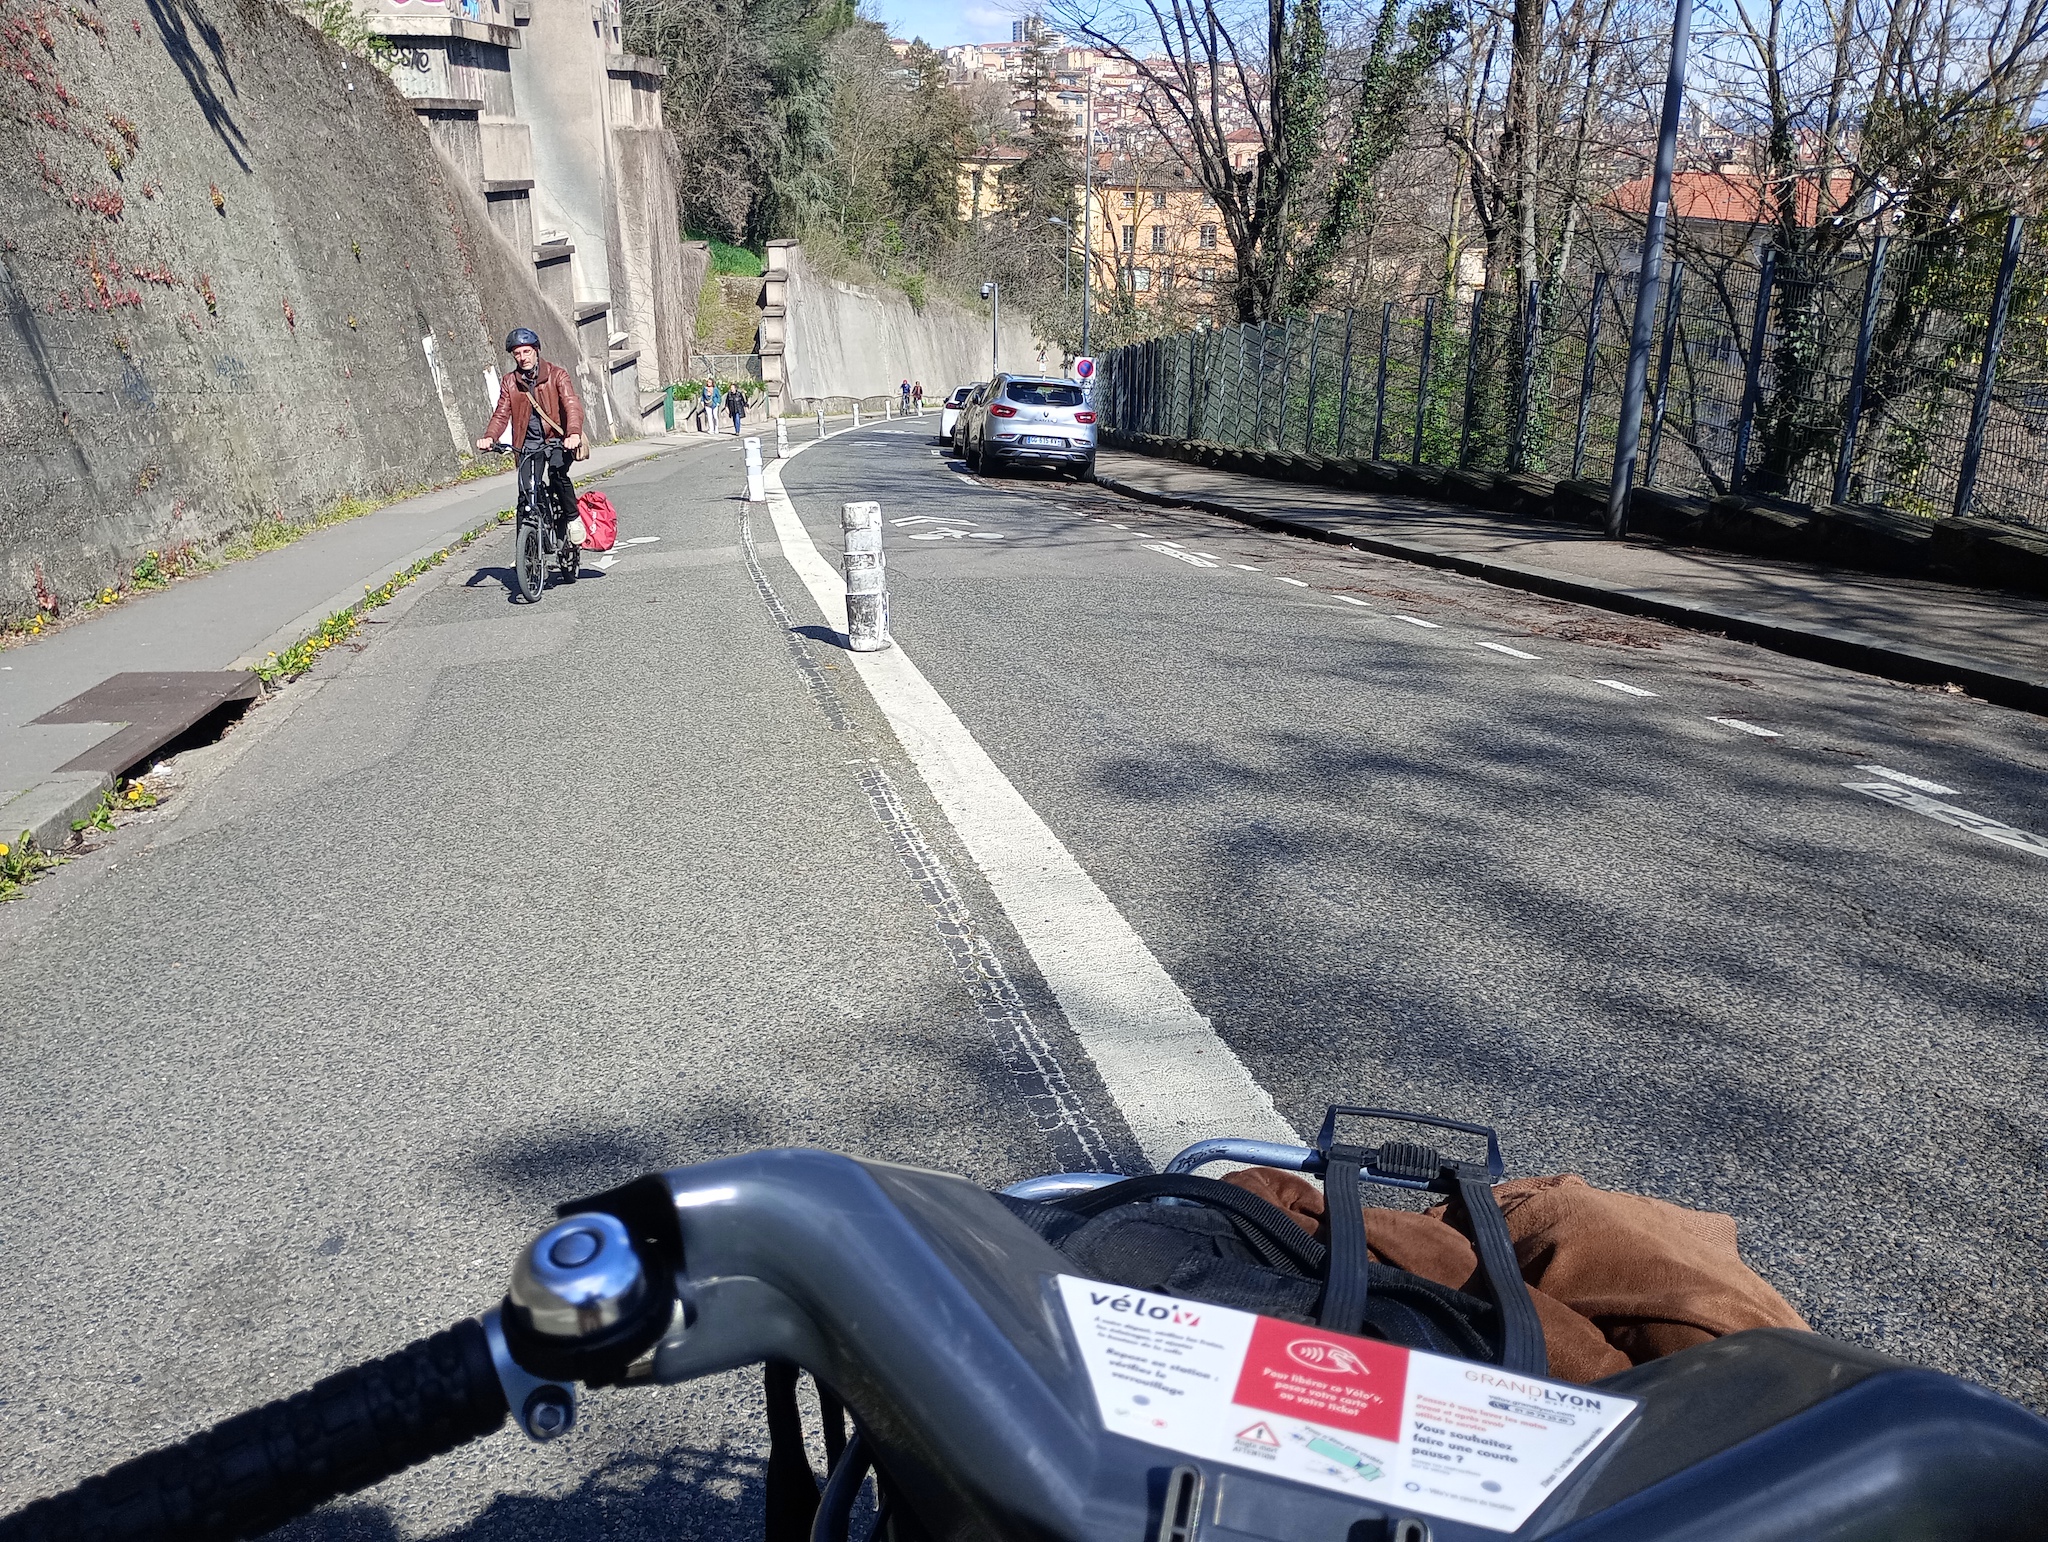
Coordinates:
843 340
223 247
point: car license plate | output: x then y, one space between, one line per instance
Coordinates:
1043 439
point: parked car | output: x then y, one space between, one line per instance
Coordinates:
949 413
958 436
1021 420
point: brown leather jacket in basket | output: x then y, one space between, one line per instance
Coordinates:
559 405
1618 1279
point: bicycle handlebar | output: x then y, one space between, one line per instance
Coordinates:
254 1472
931 1309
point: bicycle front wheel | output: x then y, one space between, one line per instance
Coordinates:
528 561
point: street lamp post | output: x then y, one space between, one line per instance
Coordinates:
992 292
1088 218
1629 431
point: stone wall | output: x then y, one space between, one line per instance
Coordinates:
225 248
839 340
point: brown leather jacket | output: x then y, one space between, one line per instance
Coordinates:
559 405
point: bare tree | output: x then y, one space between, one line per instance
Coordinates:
1209 67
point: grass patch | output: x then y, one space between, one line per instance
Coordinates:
136 795
21 863
733 261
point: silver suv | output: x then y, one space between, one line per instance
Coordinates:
1030 419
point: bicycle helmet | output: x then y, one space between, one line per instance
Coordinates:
521 336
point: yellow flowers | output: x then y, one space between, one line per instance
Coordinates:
5 848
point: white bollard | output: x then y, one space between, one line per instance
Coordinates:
755 492
856 414
867 578
781 438
888 409
821 422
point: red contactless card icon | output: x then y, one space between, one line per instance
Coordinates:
1327 1378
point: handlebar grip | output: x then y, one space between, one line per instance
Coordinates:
252 1473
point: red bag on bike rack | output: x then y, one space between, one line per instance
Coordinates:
600 520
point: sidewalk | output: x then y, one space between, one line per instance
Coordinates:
1993 644
228 619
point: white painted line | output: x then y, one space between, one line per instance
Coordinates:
1624 687
1920 784
986 535
1751 728
1299 584
1174 544
1169 1074
1513 653
639 540
1949 814
940 535
1210 555
1247 567
1418 621
604 563
1115 526
1350 600
967 479
1185 556
933 519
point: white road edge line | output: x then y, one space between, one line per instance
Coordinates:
1949 814
1173 1079
1247 567
1298 583
1349 600
1918 783
1418 621
1761 733
1624 687
1513 653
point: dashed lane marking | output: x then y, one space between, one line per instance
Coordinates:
1298 583
1513 653
1247 567
1185 556
1949 814
1624 687
1418 621
1919 784
639 540
1351 600
1751 728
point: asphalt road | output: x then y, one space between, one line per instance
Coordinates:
1397 866
513 903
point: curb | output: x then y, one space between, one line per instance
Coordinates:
1848 650
46 810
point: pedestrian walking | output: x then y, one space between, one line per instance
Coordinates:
736 404
707 407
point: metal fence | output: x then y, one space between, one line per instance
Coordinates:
1909 375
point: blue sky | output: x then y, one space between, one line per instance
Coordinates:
942 22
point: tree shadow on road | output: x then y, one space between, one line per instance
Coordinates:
690 1494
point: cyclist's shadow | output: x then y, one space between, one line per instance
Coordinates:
509 580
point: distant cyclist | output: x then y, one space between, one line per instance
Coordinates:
538 402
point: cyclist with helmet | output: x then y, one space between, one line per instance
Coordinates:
538 402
